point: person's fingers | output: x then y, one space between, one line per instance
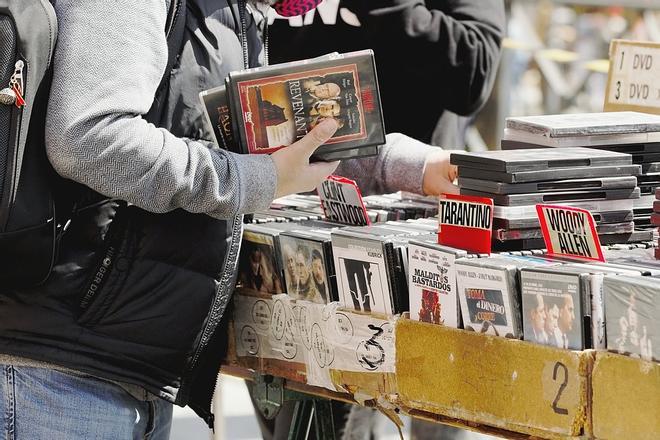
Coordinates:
323 169
452 173
315 138
320 170
444 186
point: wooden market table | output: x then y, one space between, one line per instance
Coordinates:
507 388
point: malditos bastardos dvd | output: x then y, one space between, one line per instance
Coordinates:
277 105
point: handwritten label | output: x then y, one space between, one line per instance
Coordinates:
466 222
634 77
341 201
570 232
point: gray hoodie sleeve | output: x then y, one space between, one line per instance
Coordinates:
109 59
398 167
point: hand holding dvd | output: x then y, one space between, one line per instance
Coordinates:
439 174
294 172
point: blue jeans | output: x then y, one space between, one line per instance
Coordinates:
39 403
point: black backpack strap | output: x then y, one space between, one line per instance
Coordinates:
175 27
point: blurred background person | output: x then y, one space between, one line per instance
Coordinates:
436 60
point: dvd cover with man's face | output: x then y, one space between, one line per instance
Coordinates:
277 105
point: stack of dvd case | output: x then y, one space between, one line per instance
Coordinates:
489 293
380 208
602 182
563 305
261 110
637 134
655 218
371 264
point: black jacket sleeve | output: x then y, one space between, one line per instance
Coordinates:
449 48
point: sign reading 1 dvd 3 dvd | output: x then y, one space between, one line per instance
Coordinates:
277 105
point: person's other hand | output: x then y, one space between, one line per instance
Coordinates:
294 172
439 174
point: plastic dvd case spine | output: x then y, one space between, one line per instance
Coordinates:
607 217
585 124
536 233
216 108
551 174
556 197
594 184
432 284
512 212
518 161
279 104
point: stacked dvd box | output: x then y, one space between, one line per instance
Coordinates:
655 218
261 110
637 134
489 293
380 208
602 182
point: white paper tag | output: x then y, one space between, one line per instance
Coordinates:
634 77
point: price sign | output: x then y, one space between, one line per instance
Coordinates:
569 232
466 222
634 77
342 202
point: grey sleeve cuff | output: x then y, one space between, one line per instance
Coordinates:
258 182
403 163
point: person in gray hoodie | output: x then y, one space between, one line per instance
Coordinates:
132 318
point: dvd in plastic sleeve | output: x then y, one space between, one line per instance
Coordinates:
432 283
632 306
489 293
370 273
259 264
308 265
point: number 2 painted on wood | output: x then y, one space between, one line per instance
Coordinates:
562 387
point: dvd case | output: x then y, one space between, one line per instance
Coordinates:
279 104
259 268
605 217
432 283
599 183
553 303
511 212
550 174
489 294
308 269
538 160
536 233
366 268
585 124
556 197
632 306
